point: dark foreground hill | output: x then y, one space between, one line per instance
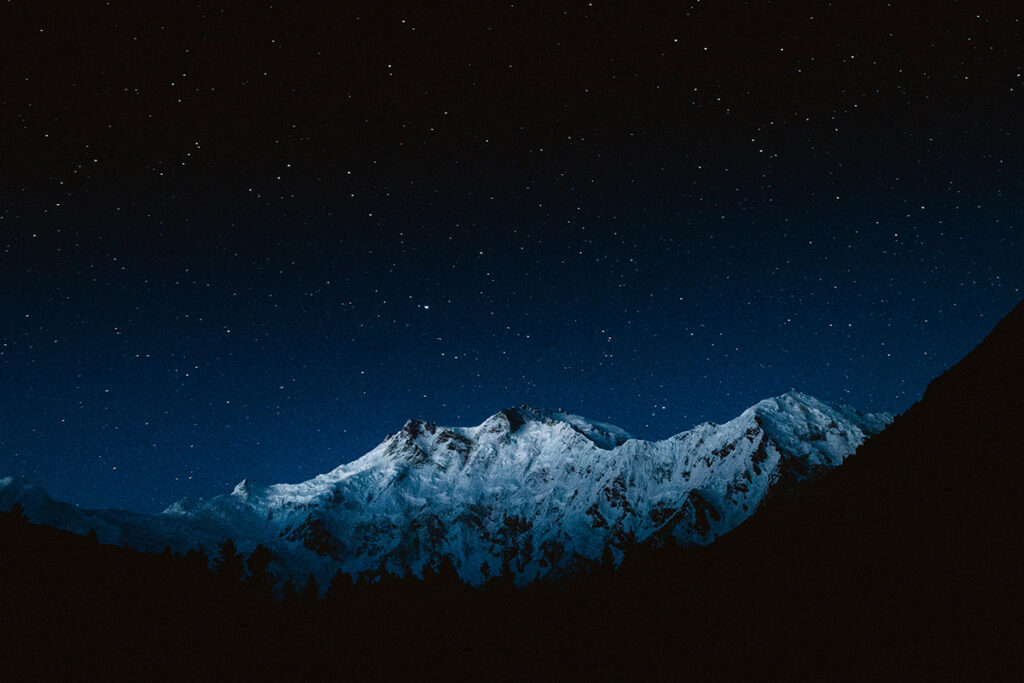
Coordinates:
903 563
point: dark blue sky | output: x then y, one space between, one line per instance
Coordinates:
250 242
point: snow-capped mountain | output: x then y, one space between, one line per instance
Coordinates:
528 491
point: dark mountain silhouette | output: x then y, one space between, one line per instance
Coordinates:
907 559
902 563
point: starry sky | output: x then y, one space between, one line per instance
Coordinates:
250 240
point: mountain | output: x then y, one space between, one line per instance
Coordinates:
529 492
905 563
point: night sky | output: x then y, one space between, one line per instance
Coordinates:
251 240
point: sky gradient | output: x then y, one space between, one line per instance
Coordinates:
250 241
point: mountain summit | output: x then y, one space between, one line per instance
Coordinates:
528 492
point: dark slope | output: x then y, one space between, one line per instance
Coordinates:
905 560
74 609
939 492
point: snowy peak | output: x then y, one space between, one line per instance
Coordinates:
510 420
242 489
418 439
822 431
605 436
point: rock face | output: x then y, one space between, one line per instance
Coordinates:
528 492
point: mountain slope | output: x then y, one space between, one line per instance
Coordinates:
527 492
905 560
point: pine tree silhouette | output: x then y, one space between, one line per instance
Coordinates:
447 574
260 581
17 514
288 592
229 564
340 587
310 591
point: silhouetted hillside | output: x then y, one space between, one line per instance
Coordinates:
906 559
73 607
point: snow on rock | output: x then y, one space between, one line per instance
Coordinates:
528 491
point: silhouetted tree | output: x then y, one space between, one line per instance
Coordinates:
260 581
504 580
429 574
14 521
310 591
230 564
506 564
17 513
197 558
288 592
446 573
340 587
603 570
607 566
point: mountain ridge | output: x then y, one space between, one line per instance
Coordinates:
529 491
